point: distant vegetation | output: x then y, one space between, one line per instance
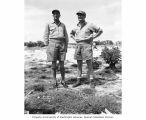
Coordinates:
42 44
34 44
105 42
118 43
108 42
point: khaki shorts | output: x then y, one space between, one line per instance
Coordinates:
83 52
56 51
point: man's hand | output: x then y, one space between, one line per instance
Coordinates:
66 46
46 43
73 37
91 37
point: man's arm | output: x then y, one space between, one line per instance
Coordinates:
46 35
97 32
72 34
66 38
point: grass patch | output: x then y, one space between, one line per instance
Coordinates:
68 101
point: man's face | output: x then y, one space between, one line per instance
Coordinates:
81 17
56 16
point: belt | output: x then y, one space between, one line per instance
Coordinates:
57 40
80 43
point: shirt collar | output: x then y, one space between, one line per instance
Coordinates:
55 23
83 24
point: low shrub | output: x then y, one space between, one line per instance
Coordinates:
96 63
118 43
40 43
111 56
105 42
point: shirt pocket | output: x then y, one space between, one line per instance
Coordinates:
88 31
61 31
52 29
77 32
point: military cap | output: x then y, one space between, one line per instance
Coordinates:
53 11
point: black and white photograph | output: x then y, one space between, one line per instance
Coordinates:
73 57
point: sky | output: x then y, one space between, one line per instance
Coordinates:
105 14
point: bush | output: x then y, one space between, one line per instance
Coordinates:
30 44
25 43
111 56
34 44
118 43
97 42
96 63
109 42
40 43
105 42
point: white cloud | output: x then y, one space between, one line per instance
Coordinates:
103 13
67 4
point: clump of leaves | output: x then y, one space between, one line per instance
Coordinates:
96 63
111 56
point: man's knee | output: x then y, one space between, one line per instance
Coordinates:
89 63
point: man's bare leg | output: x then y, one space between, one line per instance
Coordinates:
79 74
90 72
62 71
90 68
54 72
79 62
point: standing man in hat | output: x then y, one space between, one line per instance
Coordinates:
56 38
83 35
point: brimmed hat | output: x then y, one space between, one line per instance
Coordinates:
81 12
53 11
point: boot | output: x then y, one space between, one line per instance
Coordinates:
55 85
77 83
64 84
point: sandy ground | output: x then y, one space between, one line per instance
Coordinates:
38 71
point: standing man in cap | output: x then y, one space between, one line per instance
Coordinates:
56 38
83 35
